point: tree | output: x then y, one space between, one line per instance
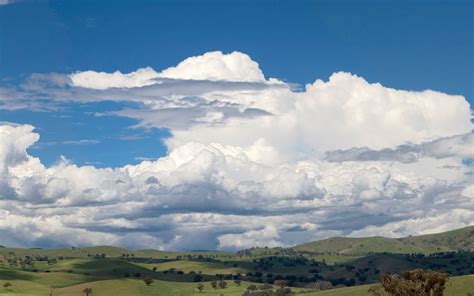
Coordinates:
148 280
214 284
283 291
222 284
87 291
281 283
252 288
264 287
200 287
320 285
7 285
237 282
416 282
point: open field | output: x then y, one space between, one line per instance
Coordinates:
126 287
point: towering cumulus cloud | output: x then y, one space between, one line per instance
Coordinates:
251 161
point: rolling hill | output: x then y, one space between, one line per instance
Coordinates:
455 240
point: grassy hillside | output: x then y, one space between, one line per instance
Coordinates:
109 251
125 287
136 287
456 240
457 286
332 250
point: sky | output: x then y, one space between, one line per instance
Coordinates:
186 125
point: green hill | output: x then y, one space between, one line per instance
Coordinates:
455 240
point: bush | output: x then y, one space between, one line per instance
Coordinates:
222 284
411 283
252 288
148 280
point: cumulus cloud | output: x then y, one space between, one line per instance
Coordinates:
344 112
213 66
251 160
224 193
211 97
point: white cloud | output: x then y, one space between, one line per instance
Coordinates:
342 113
432 223
251 161
220 193
232 96
213 66
103 80
268 236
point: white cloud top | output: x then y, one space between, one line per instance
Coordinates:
213 66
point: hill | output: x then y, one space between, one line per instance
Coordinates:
338 262
455 240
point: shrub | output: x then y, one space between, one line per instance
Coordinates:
222 284
200 287
7 285
411 283
148 280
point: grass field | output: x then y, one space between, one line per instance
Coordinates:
457 286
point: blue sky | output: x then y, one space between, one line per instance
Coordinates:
401 44
230 124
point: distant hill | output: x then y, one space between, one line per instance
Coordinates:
329 249
455 240
108 251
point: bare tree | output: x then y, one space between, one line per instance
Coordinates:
87 291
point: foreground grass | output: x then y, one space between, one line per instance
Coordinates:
128 287
125 287
457 286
